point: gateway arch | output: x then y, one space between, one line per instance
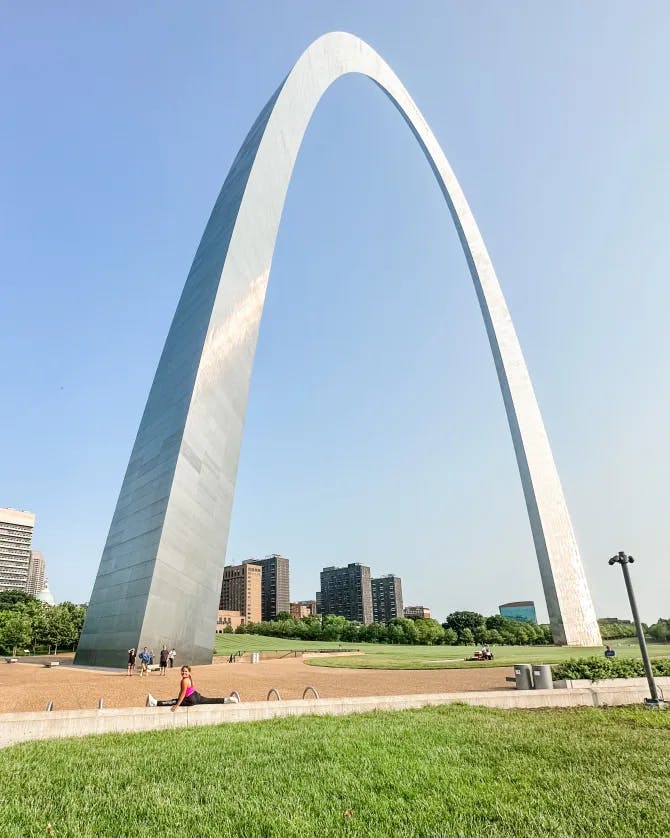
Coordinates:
160 574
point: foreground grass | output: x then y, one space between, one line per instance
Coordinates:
450 771
383 656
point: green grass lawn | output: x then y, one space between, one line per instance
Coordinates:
449 771
225 644
383 656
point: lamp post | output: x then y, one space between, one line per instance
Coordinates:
624 560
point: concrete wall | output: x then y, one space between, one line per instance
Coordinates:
22 727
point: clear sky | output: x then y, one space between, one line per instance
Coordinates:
375 430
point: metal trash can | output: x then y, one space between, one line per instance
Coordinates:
255 657
542 678
523 676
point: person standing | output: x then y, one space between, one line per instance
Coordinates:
132 654
188 695
145 658
165 654
172 656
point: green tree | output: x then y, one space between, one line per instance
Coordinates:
332 627
374 633
9 600
16 631
466 637
60 629
660 631
429 632
460 620
450 637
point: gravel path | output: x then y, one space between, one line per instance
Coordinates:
25 687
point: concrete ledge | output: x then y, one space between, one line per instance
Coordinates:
60 724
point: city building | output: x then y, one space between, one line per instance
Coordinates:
241 591
231 619
45 594
347 592
386 598
16 541
523 611
304 608
275 597
317 600
416 612
36 573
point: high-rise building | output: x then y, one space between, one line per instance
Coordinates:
36 574
275 597
416 612
386 598
16 540
241 590
346 592
523 611
304 608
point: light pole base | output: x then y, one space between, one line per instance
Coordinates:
655 704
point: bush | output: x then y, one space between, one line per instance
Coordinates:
595 669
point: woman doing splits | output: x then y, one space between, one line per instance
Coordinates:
188 695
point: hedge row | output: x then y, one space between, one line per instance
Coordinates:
596 669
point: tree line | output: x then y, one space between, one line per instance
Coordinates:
461 628
28 623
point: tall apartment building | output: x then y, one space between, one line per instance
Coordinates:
346 592
416 612
275 596
16 540
37 572
241 590
386 598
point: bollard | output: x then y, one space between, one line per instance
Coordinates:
273 690
50 707
307 689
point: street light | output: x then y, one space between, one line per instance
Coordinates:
624 560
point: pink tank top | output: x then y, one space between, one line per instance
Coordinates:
189 690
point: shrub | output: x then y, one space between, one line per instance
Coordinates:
596 669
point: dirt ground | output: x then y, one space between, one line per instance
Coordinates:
29 686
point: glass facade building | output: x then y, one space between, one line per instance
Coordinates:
522 611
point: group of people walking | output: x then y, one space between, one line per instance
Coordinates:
146 658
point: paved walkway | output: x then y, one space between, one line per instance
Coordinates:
28 687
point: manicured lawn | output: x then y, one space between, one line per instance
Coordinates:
383 656
442 657
450 771
225 644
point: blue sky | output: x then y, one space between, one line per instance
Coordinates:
375 430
